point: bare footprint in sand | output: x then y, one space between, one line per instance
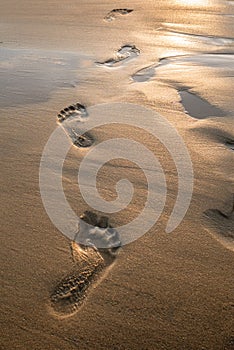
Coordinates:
220 225
96 253
111 16
197 107
124 54
73 114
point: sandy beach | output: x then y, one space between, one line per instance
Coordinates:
162 291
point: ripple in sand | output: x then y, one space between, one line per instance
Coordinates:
111 16
149 72
75 113
221 226
193 38
223 61
144 74
124 54
215 134
70 293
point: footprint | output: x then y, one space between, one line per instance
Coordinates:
114 13
94 250
96 232
221 226
74 111
125 53
73 114
197 107
79 140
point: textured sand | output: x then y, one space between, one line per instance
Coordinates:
163 291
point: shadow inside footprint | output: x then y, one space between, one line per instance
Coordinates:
125 53
198 108
79 140
96 232
90 262
76 110
71 115
230 144
114 13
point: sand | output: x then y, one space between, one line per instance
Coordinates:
163 291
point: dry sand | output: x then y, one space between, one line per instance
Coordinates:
164 291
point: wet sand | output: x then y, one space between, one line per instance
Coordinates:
163 291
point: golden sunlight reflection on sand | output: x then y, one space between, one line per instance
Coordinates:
193 2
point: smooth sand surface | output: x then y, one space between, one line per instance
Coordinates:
164 291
